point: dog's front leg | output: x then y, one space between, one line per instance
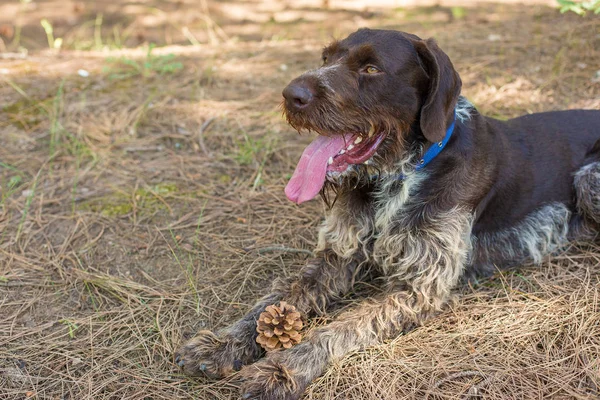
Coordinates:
320 282
284 375
425 263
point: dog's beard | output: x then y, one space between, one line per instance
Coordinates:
393 160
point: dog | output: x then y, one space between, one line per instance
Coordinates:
428 193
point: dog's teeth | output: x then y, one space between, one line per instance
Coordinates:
350 147
358 140
371 131
330 161
342 151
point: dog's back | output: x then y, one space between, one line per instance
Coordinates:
576 131
545 180
536 157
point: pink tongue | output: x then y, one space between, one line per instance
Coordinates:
309 176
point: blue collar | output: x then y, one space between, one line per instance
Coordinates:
434 149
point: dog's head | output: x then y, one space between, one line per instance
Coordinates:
376 92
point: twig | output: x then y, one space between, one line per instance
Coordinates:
134 149
32 284
283 249
473 391
203 128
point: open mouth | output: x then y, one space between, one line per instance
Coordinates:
357 151
329 154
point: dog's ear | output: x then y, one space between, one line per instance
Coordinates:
441 97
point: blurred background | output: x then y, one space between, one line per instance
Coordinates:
143 157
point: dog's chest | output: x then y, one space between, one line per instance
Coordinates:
348 232
396 199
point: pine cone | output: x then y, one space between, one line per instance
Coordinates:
279 326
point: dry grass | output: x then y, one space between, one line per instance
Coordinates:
140 204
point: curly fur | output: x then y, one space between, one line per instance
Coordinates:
540 234
587 186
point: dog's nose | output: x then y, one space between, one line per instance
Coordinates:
297 95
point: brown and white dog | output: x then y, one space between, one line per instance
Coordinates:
418 219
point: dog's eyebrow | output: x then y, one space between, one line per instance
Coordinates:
335 49
332 48
363 54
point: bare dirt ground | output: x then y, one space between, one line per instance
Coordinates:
141 196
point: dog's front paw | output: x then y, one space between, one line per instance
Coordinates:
271 379
212 356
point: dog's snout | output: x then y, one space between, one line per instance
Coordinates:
298 95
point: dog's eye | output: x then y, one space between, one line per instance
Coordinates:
372 70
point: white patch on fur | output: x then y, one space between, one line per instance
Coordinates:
463 109
322 74
348 234
430 259
586 169
390 204
587 188
541 233
345 234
